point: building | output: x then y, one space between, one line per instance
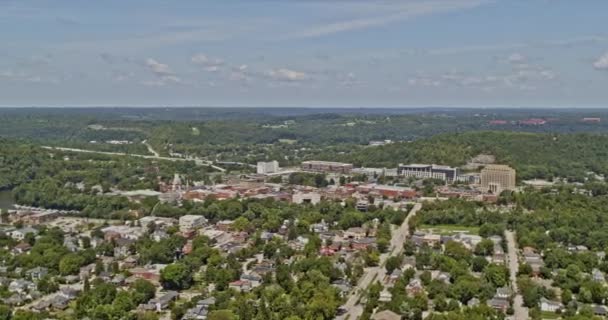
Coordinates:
497 178
268 167
327 166
387 191
386 315
191 222
428 171
549 306
306 197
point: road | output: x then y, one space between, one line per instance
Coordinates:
520 312
354 310
199 162
150 149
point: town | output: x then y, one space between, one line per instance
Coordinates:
368 234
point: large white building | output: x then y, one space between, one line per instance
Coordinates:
268 167
429 171
191 222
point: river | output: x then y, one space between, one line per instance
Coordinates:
6 200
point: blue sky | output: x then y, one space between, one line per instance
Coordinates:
316 53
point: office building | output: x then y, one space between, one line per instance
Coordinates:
268 167
327 166
497 178
428 171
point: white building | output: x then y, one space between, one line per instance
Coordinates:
306 197
191 222
268 167
549 306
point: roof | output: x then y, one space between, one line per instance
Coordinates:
386 315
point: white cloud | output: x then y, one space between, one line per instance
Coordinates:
602 62
162 71
392 13
209 64
288 75
516 58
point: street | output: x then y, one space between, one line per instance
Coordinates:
520 312
354 310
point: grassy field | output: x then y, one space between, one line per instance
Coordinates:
446 229
549 315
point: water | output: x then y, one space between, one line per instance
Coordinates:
6 200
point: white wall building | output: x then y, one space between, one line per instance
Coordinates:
268 167
306 197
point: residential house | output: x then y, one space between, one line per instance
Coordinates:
355 233
21 286
414 287
549 306
240 285
499 304
597 276
20 234
161 303
37 273
386 315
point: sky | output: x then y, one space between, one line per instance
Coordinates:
304 53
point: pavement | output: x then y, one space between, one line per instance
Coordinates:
399 235
520 312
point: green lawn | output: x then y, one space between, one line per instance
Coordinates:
549 315
446 229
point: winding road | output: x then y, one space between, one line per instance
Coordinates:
352 307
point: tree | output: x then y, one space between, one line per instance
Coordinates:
176 276
70 264
478 264
457 251
222 315
393 263
143 291
484 248
497 275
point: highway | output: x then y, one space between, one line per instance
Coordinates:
354 310
520 312
199 162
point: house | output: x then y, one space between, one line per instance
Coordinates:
254 279
503 293
59 302
161 303
21 286
499 304
473 302
600 310
191 222
363 243
37 273
123 247
385 296
597 275
224 225
20 234
21 248
343 286
414 287
319 227
15 300
549 306
240 285
355 233
386 315
87 271
198 312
